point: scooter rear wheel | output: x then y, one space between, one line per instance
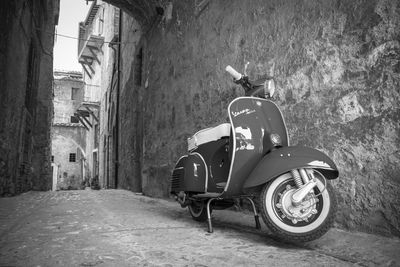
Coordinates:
198 210
308 221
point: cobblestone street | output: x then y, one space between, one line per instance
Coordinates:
120 228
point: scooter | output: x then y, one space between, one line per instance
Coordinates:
250 158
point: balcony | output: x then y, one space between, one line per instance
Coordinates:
88 110
90 39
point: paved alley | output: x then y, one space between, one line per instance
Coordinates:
120 228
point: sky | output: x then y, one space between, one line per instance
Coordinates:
65 50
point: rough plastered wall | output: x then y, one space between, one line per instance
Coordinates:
130 107
64 106
66 139
25 25
337 69
108 87
41 156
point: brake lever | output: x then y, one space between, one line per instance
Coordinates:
245 68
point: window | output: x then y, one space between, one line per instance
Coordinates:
96 135
74 119
138 68
74 93
52 159
72 157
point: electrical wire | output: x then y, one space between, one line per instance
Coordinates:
81 39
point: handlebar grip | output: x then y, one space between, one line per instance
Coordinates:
236 75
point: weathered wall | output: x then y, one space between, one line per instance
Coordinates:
64 105
337 69
92 144
68 139
47 14
102 76
26 66
130 107
108 96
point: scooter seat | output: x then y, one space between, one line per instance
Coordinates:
208 135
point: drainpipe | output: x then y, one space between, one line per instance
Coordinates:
118 92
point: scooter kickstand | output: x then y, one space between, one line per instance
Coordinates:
256 217
210 228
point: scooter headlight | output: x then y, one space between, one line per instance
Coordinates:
276 139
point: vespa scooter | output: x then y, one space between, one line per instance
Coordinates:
250 158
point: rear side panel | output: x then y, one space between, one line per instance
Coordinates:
190 174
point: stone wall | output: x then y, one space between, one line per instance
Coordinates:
26 72
337 69
130 107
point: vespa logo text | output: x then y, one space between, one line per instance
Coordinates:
244 111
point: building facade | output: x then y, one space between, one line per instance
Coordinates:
68 133
98 53
336 71
26 81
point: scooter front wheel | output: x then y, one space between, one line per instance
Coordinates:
297 223
198 210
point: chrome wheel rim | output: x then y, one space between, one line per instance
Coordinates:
301 219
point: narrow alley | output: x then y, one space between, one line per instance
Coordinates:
117 106
121 228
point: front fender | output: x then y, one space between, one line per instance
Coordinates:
287 158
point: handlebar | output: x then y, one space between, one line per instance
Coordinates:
263 87
236 75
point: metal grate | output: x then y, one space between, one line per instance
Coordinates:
177 179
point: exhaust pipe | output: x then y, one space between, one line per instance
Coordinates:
181 198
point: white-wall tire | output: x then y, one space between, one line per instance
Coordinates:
281 226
